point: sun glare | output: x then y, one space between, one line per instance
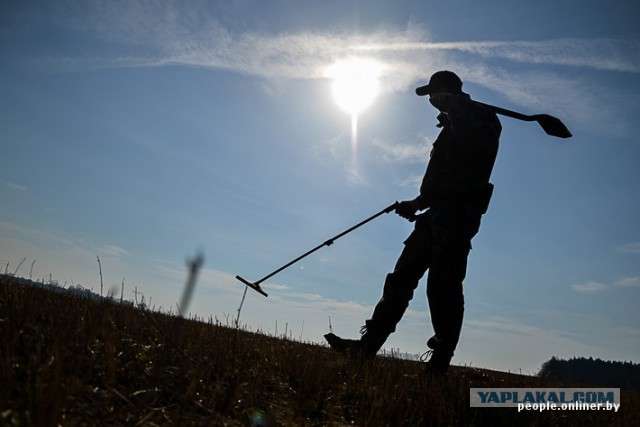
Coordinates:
355 84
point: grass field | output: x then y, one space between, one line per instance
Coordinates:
67 360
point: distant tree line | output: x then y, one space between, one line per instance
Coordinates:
596 372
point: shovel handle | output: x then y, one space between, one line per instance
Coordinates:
508 113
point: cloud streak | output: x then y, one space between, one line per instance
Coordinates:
600 54
172 33
630 248
112 250
404 153
596 287
629 282
589 288
12 186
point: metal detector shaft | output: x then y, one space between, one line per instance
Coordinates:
256 285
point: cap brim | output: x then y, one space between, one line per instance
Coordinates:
423 90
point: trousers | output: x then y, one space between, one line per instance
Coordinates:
439 243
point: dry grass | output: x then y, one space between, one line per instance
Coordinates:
71 361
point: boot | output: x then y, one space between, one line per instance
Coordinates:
433 342
357 349
439 362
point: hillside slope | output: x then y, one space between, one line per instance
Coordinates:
70 360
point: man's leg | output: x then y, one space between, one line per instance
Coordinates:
398 288
398 291
445 291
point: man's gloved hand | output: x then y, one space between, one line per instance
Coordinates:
408 208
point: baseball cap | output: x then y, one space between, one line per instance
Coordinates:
439 79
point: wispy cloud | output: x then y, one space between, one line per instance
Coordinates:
630 248
403 153
193 35
112 250
171 33
595 287
12 186
629 332
531 342
629 282
196 34
603 54
589 288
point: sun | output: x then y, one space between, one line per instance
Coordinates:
355 84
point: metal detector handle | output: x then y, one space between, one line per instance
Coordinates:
384 211
256 285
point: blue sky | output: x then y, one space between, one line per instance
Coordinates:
145 132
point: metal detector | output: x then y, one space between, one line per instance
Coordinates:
256 285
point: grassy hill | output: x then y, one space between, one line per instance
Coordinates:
70 360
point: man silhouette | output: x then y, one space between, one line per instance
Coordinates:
455 193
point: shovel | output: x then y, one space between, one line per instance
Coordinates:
551 125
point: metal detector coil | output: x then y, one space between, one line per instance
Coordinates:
255 286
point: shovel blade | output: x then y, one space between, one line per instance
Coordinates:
552 126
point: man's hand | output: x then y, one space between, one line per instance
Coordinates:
408 208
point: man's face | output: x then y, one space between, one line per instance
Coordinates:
439 98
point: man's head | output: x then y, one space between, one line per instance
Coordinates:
441 82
